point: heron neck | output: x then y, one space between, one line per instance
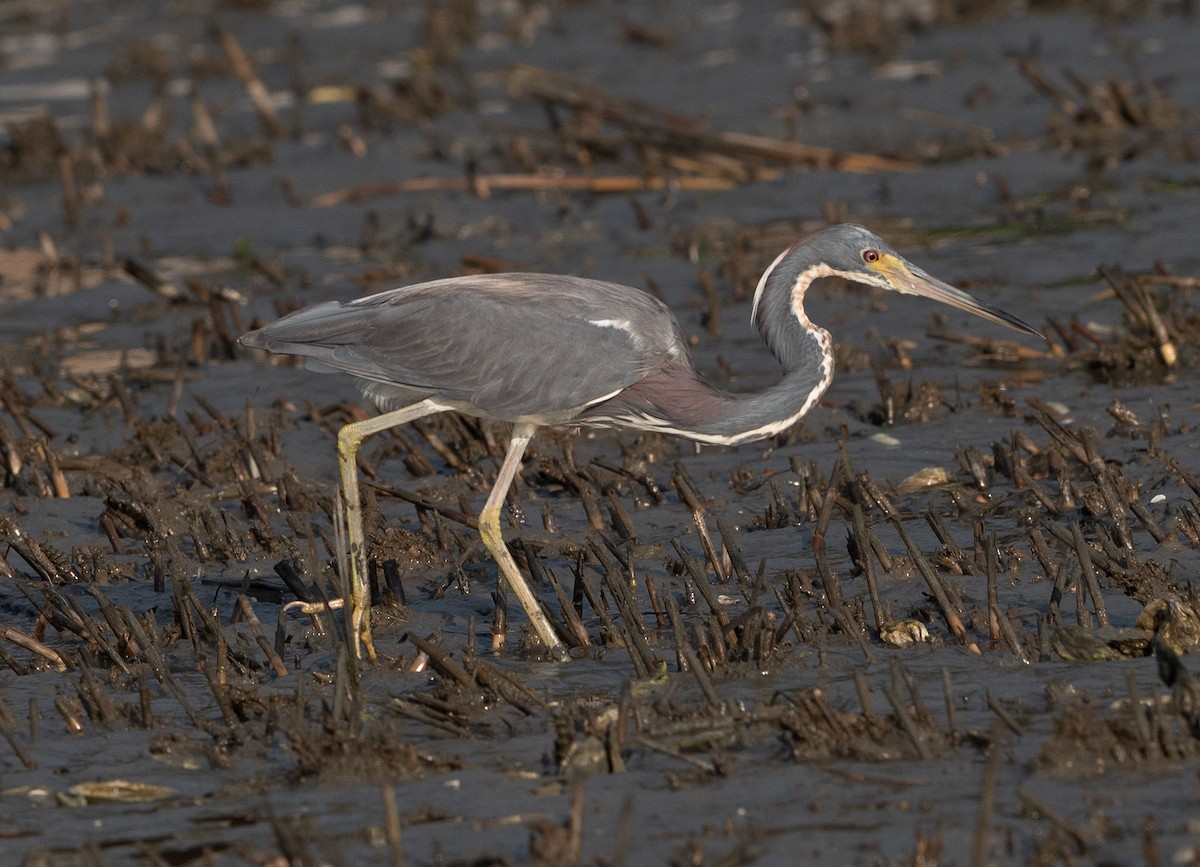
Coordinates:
804 352
677 400
804 349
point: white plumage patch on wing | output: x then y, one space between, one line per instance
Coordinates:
620 324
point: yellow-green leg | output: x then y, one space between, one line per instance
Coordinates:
489 530
350 438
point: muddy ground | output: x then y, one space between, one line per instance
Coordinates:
946 618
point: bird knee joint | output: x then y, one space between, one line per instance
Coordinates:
347 441
489 529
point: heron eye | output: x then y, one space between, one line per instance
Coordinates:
870 256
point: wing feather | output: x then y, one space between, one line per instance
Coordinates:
510 346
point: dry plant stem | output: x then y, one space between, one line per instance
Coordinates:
153 282
1004 716
441 661
253 84
1136 297
683 135
951 708
484 185
428 505
687 493
1089 575
391 826
31 552
987 804
34 646
9 731
999 621
933 582
868 564
1083 837
993 595
247 611
907 724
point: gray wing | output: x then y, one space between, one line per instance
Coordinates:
509 345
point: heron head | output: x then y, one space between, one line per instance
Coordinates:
862 256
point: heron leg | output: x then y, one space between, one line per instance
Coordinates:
489 530
350 438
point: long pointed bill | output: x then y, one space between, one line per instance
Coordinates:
911 280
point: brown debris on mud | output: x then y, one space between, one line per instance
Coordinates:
924 621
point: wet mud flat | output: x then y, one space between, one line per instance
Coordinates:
948 616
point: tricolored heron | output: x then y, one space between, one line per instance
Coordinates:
537 349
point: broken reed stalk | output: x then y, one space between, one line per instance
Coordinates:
9 660
1024 480
56 659
1004 716
1148 523
115 618
863 690
993 595
247 612
1135 295
999 624
8 728
907 724
420 502
620 521
828 500
987 803
863 544
1089 574
678 635
571 628
69 710
434 718
256 90
733 552
1084 838
683 135
609 631
506 687
147 277
95 632
28 549
391 827
948 541
951 705
835 604
441 661
933 581
687 493
660 619
702 584
588 499
484 185
702 678
645 662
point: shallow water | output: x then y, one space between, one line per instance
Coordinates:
142 403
